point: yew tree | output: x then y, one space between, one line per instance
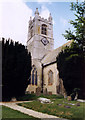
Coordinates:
71 60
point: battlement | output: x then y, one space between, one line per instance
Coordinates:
38 17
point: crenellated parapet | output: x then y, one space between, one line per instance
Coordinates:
39 18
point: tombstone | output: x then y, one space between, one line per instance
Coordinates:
67 106
50 93
44 100
32 92
13 99
69 98
27 92
65 95
77 104
45 91
59 104
38 91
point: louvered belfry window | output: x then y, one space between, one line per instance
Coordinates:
44 29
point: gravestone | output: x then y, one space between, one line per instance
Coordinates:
50 93
45 91
44 100
13 99
65 95
69 98
67 106
77 104
38 91
32 92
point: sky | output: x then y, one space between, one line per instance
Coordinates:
15 14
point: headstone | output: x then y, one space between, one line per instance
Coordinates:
45 91
13 99
65 95
32 92
67 106
50 93
44 100
59 104
77 104
69 98
38 91
76 97
27 92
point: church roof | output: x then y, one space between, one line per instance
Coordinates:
51 57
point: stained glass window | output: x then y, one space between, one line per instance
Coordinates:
34 76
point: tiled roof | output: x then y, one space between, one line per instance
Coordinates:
51 57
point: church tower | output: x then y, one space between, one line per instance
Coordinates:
40 36
39 43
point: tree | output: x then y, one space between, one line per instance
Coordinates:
70 61
78 35
16 68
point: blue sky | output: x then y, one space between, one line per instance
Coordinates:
15 15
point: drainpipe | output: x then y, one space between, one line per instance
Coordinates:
42 79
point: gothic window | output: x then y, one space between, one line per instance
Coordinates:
44 29
33 76
50 78
36 78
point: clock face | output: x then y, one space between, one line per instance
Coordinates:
44 41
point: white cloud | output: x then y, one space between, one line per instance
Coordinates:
43 1
44 12
14 20
63 21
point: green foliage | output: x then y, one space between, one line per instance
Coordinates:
34 97
70 61
27 97
16 68
79 24
70 66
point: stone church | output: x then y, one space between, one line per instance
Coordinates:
40 43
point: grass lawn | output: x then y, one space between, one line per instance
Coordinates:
58 108
29 97
10 113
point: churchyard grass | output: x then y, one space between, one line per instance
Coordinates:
27 97
10 113
59 108
34 97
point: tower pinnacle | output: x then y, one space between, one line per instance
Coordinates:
36 12
50 18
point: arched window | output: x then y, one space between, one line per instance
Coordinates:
50 78
34 76
44 29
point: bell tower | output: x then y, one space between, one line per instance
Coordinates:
40 36
39 43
